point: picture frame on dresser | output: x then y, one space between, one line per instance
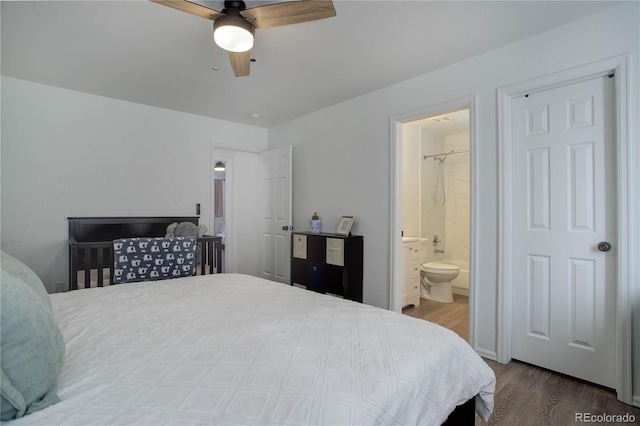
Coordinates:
345 224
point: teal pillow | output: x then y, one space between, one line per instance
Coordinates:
32 349
19 270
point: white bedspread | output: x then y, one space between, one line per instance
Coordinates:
234 349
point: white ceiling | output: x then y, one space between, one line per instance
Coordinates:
456 122
151 54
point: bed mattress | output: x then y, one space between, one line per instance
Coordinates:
235 349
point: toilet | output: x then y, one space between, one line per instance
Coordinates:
435 281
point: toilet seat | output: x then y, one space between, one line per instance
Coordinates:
439 268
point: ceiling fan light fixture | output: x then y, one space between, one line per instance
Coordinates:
234 26
233 33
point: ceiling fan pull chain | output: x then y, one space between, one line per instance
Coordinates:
215 57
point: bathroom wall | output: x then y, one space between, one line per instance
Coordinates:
458 203
432 211
458 187
411 180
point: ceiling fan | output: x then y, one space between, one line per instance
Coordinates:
234 26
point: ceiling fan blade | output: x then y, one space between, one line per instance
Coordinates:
192 8
274 15
240 62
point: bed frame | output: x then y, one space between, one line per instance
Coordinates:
463 415
91 244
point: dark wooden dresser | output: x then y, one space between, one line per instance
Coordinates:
328 263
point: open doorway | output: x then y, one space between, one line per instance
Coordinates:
219 206
432 235
435 219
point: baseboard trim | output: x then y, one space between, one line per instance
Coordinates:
460 291
484 353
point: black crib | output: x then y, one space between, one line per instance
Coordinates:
91 245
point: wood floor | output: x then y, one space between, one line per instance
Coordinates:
454 316
529 395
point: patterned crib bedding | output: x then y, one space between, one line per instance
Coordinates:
145 259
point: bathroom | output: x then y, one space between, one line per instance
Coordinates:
436 202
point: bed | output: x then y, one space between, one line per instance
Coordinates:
236 349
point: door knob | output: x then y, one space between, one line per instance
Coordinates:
287 228
604 246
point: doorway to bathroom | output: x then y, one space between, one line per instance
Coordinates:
434 198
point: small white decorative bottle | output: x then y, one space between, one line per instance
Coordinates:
315 226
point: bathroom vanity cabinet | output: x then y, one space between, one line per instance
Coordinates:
328 263
411 273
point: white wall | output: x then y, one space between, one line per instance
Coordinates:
342 160
67 153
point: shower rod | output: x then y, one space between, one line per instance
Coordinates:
424 157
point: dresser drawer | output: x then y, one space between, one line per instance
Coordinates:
316 276
299 271
334 278
300 246
335 251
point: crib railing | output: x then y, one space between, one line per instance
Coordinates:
97 256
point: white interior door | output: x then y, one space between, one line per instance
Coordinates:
564 205
276 216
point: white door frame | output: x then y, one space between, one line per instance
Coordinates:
395 242
626 220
